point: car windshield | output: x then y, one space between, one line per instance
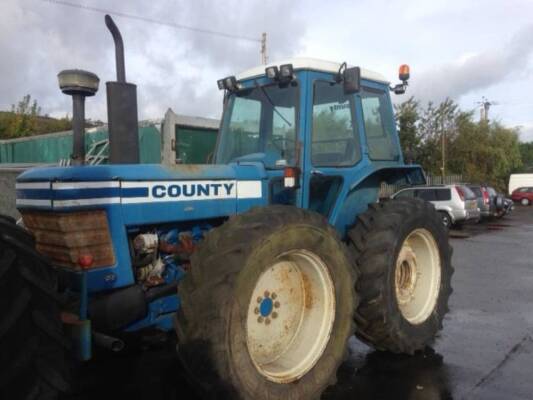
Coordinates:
260 124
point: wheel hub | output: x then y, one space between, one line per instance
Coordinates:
266 306
417 276
406 276
290 316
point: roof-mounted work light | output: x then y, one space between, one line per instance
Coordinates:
228 83
286 72
272 72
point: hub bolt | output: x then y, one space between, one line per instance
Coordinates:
276 304
260 320
274 315
267 321
274 295
267 293
256 310
259 299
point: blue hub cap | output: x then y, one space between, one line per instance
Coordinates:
265 308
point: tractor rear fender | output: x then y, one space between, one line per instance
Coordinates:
355 198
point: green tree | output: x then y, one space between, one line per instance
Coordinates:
481 152
26 119
526 153
23 121
407 118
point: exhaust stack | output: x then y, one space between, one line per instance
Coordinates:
78 84
121 108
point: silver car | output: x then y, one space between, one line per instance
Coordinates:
456 204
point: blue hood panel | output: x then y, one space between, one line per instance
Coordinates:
145 193
152 172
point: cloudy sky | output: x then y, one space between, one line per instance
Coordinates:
457 48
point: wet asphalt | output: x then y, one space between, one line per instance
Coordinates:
485 350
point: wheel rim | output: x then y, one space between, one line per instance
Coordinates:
525 202
417 276
290 316
445 220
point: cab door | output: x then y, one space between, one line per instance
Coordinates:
333 149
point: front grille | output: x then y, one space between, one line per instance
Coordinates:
64 237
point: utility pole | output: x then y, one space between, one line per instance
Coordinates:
484 108
264 56
443 149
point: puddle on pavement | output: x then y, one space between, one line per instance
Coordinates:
383 375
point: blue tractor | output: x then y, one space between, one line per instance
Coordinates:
264 263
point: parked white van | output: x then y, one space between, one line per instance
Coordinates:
520 180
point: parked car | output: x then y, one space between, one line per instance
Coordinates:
486 207
456 204
496 200
523 195
490 202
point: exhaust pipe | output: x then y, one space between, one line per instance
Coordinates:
108 342
121 108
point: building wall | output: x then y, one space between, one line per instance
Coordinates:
52 148
195 145
7 191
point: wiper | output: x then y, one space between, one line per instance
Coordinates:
266 96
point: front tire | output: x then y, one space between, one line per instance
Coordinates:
402 251
32 345
268 306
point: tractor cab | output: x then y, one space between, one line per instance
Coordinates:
317 127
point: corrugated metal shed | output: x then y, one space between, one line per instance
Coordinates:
196 138
191 140
188 140
53 147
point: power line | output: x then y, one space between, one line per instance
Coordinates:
154 21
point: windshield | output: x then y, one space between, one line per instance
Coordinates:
260 122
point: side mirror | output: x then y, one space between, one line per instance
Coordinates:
351 80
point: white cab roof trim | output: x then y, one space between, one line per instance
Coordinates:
312 64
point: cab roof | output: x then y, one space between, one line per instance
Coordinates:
310 64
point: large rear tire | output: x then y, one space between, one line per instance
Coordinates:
267 308
401 249
32 345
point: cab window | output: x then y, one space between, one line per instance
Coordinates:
260 122
335 140
379 125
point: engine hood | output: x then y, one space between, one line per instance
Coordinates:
146 172
146 193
